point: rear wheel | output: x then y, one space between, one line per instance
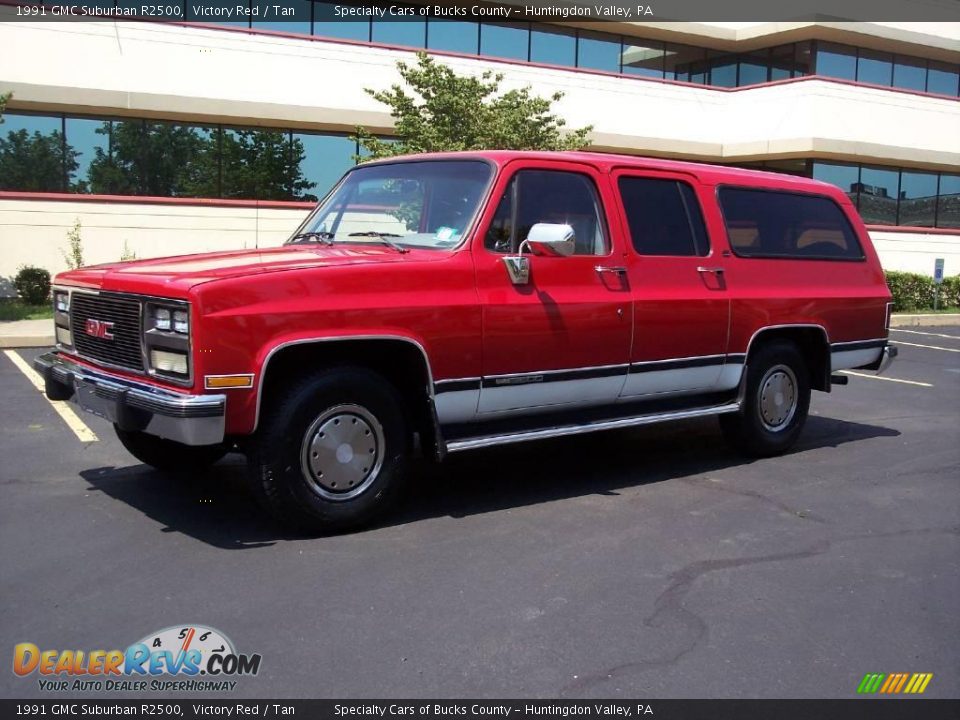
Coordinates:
331 452
168 455
775 403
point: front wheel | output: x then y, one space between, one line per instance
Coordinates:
775 403
169 455
331 451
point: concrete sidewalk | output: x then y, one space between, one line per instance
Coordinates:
39 333
26 333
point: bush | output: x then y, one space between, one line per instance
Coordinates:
33 285
913 291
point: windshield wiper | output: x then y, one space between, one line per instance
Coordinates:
321 236
384 238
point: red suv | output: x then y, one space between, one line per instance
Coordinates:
441 303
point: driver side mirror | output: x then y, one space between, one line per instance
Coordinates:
547 239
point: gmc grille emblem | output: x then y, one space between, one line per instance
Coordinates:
99 329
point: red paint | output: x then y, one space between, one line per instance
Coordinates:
459 307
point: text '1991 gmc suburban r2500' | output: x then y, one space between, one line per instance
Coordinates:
448 302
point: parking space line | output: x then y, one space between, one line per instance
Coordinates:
917 332
928 347
888 379
66 413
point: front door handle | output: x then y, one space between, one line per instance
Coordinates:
714 270
618 269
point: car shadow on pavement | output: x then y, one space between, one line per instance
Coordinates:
215 507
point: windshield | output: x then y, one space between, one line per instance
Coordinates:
426 204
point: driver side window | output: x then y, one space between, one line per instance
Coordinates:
548 196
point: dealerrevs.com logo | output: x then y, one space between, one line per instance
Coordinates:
180 658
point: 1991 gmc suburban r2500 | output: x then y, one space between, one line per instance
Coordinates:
456 301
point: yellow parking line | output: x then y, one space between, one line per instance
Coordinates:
928 347
73 421
888 379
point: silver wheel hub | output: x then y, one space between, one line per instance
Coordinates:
342 452
777 400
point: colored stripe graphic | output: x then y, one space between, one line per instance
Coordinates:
908 683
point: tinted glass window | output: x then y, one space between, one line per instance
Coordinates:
322 160
752 72
763 223
267 19
874 67
88 139
645 60
948 207
326 23
845 177
942 79
453 36
31 154
918 198
837 61
554 47
505 41
910 73
686 63
547 196
879 189
664 217
782 62
723 73
598 52
412 33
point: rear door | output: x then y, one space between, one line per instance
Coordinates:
681 303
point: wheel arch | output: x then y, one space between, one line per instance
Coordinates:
400 359
811 339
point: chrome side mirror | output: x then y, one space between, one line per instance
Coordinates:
554 240
548 239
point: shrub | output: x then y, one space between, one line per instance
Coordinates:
913 291
33 285
73 256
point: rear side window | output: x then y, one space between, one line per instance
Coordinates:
772 224
664 217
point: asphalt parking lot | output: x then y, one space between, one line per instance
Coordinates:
650 563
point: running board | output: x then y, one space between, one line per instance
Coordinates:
593 426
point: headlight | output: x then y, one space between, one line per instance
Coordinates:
181 322
161 319
61 302
169 362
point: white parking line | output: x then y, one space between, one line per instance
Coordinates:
73 421
888 379
917 332
928 347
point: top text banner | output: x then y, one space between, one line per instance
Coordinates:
734 11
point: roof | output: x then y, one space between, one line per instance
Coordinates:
605 162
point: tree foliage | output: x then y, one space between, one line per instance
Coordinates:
447 111
4 99
35 162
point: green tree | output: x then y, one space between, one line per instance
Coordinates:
35 162
4 99
160 159
263 164
452 112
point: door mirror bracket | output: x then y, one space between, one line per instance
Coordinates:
547 239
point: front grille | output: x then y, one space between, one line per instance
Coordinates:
124 349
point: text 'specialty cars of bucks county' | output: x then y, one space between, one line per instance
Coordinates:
447 302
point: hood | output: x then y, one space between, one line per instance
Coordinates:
176 275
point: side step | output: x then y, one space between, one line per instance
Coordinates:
545 433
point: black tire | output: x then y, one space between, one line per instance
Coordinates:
310 472
763 427
168 455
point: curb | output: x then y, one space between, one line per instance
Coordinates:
928 319
25 341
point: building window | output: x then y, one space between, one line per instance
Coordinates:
411 33
845 177
32 154
554 46
948 202
598 51
879 189
322 160
910 73
942 79
453 36
298 23
838 61
874 67
918 199
326 24
505 41
646 59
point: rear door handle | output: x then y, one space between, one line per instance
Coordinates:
714 270
618 269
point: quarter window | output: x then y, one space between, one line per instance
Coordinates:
772 224
664 217
548 196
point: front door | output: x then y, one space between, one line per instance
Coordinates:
682 307
562 339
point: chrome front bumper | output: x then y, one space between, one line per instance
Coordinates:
188 419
